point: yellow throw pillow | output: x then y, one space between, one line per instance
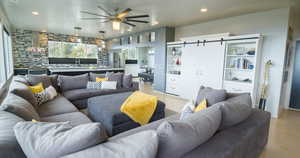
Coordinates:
34 121
37 88
101 79
201 106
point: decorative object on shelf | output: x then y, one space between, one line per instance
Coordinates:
116 17
264 87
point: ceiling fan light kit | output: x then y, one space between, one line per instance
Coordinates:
116 18
116 25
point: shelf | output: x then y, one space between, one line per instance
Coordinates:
237 69
238 81
240 55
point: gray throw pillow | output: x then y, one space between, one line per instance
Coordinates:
36 79
20 107
93 76
73 82
53 140
22 90
233 113
93 85
140 145
127 81
115 77
243 98
176 138
54 81
212 96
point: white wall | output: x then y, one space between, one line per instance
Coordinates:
273 25
4 20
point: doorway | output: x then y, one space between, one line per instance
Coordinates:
295 92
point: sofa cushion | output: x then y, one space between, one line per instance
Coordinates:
151 126
245 140
78 94
53 140
93 76
36 79
115 77
20 107
59 105
140 145
22 90
212 96
233 113
127 81
179 137
9 146
75 118
20 78
73 82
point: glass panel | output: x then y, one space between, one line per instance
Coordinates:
72 50
2 60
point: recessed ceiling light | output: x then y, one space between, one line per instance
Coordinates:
44 31
203 10
35 13
155 23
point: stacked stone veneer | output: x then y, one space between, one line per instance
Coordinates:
23 39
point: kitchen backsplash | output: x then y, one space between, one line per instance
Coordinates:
23 39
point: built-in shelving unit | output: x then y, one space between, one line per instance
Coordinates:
241 67
174 53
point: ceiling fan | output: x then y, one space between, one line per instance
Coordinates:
117 17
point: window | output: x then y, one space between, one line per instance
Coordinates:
72 50
6 58
2 61
8 53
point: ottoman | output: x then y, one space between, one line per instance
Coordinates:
106 110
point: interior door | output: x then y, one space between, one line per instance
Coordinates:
295 94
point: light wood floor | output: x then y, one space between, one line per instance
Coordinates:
284 136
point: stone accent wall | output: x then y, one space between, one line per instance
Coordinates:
23 39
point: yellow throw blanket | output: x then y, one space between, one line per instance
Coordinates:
139 107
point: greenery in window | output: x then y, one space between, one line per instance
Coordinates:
72 50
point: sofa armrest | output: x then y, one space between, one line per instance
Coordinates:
135 85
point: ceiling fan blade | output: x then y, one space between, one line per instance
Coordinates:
103 21
137 16
85 12
140 21
129 24
123 13
93 18
105 11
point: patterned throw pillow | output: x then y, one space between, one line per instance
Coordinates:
41 97
93 85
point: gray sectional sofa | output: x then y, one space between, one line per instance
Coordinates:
245 139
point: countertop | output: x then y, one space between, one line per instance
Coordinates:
82 69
